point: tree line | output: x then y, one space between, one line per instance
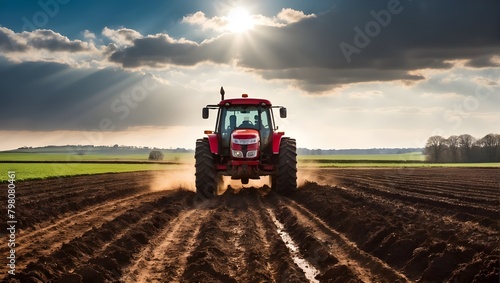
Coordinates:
463 148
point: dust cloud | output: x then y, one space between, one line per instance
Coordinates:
184 179
316 175
173 179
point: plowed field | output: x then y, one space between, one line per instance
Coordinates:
349 225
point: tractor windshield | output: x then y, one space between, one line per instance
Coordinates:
245 117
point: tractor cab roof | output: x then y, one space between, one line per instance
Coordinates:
244 100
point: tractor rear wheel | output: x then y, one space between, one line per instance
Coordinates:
285 181
206 181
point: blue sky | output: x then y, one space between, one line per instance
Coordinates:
354 74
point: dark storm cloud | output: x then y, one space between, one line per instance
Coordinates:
320 80
49 96
482 62
156 51
39 39
419 35
161 50
378 40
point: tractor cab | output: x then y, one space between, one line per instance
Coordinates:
236 121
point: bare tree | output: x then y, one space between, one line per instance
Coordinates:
453 143
463 148
465 143
434 148
497 137
489 145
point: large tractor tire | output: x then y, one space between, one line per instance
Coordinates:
206 178
285 180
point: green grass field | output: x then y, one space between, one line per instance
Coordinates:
30 171
69 165
168 157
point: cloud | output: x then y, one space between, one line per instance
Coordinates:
40 40
289 15
424 35
488 82
366 94
483 61
122 36
89 35
446 96
54 42
322 80
161 50
10 42
214 23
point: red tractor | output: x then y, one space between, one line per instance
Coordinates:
245 145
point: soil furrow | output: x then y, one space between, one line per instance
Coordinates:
412 238
53 236
111 244
238 244
164 259
328 249
381 225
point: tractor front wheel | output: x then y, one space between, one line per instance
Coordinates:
285 181
206 181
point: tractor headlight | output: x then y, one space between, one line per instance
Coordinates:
252 154
237 153
245 141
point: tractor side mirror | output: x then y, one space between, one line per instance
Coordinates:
283 112
204 113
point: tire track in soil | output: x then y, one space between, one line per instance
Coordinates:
164 259
239 243
338 258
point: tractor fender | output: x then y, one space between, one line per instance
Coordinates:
213 141
277 141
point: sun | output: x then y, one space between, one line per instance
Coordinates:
239 20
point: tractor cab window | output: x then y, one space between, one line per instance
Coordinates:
244 117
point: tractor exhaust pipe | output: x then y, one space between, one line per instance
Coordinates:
222 92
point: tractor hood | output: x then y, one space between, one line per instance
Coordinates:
245 143
245 137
